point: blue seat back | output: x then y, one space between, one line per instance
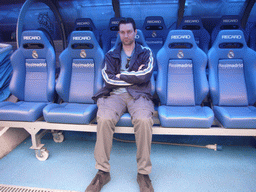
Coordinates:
80 65
155 32
253 38
228 22
181 79
109 35
86 24
202 36
232 70
33 68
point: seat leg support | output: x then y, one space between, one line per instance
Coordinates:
36 137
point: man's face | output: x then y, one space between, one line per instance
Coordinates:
127 33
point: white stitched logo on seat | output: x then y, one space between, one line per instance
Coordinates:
32 38
82 53
78 38
180 54
231 54
34 54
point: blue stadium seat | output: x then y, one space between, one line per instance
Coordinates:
232 74
109 35
181 82
86 24
125 119
155 32
79 79
228 22
202 36
252 37
33 80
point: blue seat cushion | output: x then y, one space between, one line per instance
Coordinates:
125 121
74 113
21 111
236 117
232 85
189 116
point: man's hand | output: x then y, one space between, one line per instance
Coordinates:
140 68
118 75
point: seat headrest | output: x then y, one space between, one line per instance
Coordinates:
154 23
178 39
230 39
82 40
34 39
113 23
191 23
229 22
84 24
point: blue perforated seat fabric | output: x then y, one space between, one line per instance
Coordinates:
33 80
232 74
79 80
181 82
125 120
202 36
228 22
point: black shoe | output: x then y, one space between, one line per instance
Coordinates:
144 183
98 181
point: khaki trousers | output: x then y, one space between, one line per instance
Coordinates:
110 109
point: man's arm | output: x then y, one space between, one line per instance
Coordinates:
140 68
109 76
144 72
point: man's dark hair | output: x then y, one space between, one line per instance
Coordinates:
126 21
